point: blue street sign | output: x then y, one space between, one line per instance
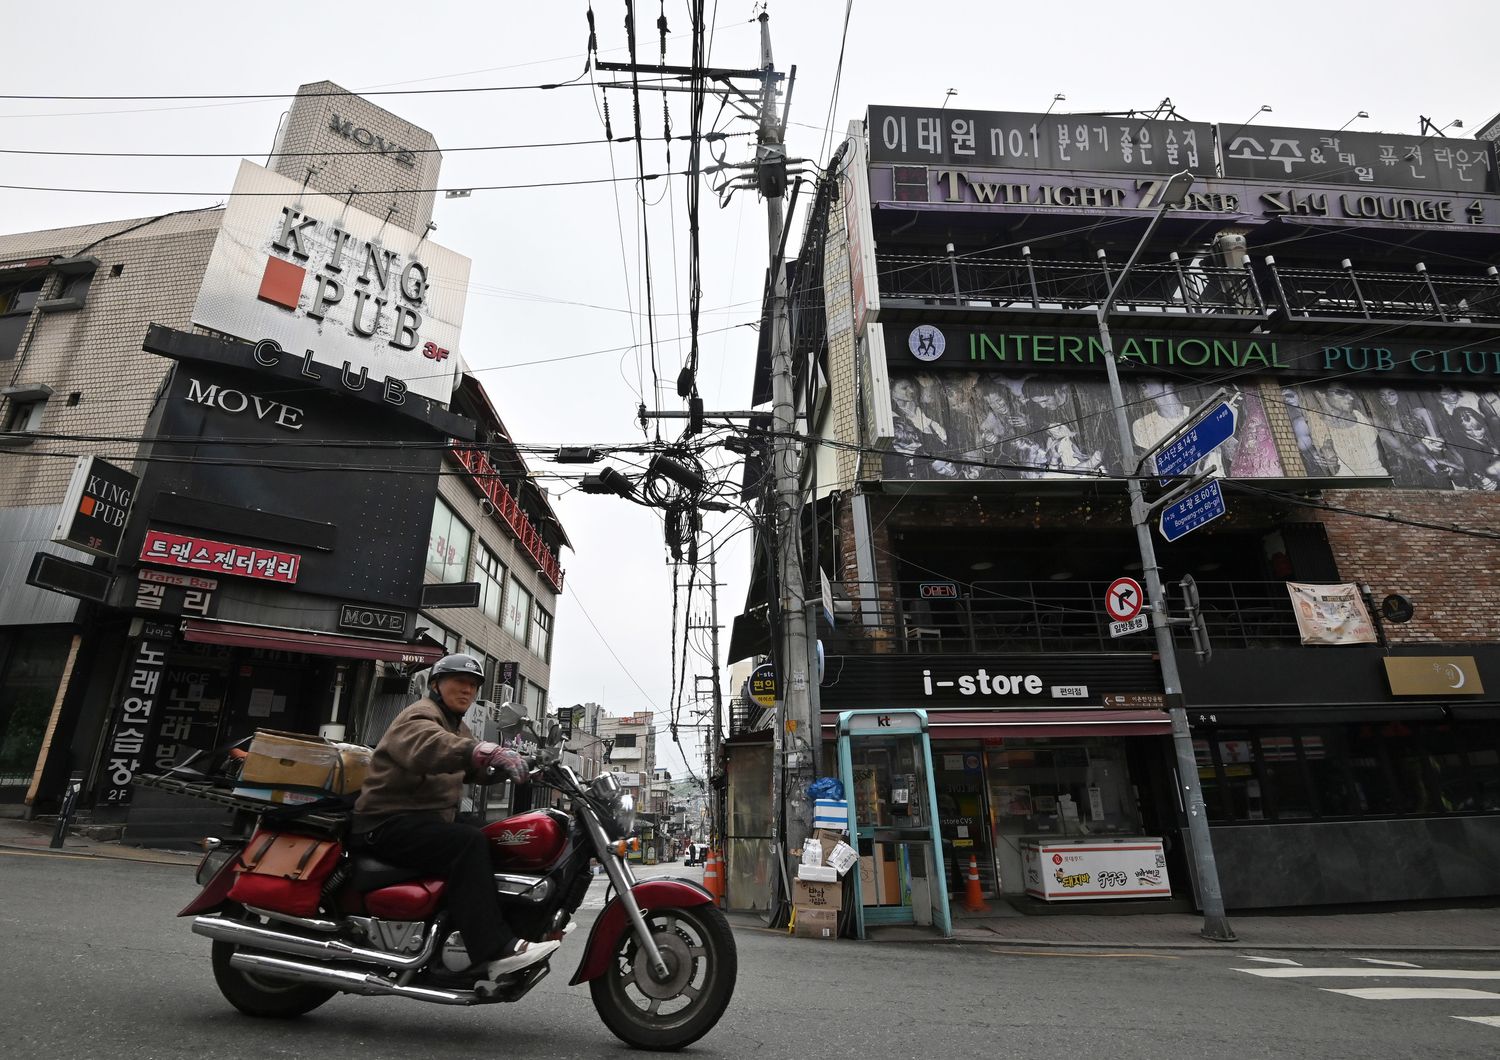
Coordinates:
1203 505
1202 438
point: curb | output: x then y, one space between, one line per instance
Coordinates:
1205 946
186 861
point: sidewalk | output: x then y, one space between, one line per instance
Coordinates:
36 837
1385 928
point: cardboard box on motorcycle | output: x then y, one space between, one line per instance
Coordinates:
295 760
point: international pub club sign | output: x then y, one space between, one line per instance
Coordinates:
95 508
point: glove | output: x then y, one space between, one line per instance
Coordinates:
509 764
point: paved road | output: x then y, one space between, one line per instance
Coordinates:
95 965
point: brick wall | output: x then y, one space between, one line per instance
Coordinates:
95 352
1454 580
340 164
843 425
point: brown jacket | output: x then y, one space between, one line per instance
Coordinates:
420 766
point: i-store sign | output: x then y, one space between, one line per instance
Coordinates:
93 513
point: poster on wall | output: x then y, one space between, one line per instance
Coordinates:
988 425
1331 614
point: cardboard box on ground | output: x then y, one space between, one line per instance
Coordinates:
808 894
295 762
816 923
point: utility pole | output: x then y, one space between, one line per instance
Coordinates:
794 729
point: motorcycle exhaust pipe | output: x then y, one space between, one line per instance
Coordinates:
255 937
343 980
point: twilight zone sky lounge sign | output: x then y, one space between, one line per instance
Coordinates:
1097 143
317 275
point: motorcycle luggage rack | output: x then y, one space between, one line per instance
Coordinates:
209 793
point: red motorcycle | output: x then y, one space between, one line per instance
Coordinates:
296 918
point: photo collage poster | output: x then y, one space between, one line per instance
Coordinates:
992 426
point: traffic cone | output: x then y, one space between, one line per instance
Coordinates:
711 880
973 897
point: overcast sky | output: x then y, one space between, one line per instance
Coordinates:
556 270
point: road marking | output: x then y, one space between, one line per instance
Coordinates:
44 854
1391 964
1488 1021
1401 993
1273 960
1370 973
1067 953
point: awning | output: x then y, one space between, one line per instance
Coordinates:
208 631
976 725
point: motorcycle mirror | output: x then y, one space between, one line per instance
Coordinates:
554 734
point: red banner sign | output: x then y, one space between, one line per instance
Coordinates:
218 557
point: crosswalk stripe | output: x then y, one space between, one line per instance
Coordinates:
1488 1021
1371 973
1391 964
1431 993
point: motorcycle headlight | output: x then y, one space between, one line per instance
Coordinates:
625 814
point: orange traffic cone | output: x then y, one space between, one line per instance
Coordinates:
973 897
712 882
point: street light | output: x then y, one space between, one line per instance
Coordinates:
1215 922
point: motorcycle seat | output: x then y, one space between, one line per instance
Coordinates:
369 873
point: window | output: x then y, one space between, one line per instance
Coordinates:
541 633
625 739
517 610
447 638
448 545
1368 769
489 572
24 416
536 699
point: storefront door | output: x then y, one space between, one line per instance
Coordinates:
963 814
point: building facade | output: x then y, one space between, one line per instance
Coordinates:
1339 291
284 517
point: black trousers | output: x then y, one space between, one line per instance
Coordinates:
461 855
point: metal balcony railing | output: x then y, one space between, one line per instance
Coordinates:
1045 616
1026 283
1370 295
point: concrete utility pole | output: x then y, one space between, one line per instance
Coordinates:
796 731
795 727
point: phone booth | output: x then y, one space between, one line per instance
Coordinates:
885 761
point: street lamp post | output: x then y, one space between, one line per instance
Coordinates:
1200 846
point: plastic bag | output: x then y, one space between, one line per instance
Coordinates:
826 788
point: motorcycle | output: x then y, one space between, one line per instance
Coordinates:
660 961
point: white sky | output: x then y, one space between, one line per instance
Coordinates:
540 254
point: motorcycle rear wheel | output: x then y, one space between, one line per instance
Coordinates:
699 948
260 996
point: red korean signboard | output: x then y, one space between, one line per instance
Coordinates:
219 557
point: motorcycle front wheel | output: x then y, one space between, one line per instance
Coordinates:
665 1014
258 995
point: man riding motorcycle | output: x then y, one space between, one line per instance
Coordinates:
406 810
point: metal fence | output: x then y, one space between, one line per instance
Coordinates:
1046 616
1371 295
1176 286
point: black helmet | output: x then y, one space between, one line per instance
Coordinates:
456 664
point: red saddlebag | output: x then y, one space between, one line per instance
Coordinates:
284 872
